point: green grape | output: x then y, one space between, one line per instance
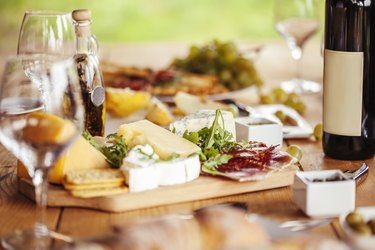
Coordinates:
280 95
318 132
225 75
295 151
234 109
300 107
266 99
223 60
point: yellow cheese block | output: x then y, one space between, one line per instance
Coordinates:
81 155
164 142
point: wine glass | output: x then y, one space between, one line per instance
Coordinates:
37 128
297 21
46 32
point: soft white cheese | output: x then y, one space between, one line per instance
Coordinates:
179 170
140 170
143 170
201 119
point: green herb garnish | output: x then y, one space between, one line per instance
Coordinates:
212 141
114 149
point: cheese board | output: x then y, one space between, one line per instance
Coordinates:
204 187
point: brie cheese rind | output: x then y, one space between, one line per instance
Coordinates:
202 119
179 171
143 170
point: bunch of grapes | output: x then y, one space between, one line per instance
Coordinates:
278 95
223 60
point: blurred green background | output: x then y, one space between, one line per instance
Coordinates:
126 21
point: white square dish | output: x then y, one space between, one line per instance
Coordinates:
358 241
258 128
324 193
302 128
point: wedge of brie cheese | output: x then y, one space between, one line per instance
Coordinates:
201 119
179 170
140 170
143 170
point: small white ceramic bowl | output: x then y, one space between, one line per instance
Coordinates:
320 194
258 128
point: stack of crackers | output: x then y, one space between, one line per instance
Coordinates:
88 183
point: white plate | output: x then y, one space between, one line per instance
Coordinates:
303 128
216 97
360 242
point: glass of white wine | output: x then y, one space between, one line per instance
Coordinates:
297 21
37 128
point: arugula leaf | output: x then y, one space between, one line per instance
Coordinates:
115 148
86 134
213 140
210 165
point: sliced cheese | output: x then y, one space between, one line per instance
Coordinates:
201 119
148 173
164 142
81 155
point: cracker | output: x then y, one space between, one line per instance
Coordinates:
69 186
94 176
91 193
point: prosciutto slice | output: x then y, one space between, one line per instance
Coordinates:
254 162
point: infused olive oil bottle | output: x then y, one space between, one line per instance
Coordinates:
90 76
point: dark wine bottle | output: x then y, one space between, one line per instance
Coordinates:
349 80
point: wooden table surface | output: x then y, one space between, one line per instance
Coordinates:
274 64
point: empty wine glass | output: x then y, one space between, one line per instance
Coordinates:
46 33
297 21
37 129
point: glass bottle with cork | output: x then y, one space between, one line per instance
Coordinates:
90 76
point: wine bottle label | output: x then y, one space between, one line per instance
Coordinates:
342 92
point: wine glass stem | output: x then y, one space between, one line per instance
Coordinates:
298 69
41 185
297 56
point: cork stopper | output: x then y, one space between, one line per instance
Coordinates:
81 15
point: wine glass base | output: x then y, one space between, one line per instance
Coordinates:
28 239
301 86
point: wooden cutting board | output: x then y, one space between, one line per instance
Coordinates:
202 188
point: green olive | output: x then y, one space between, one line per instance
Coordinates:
371 224
354 219
281 115
362 229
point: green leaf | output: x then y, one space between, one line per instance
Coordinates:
210 165
115 150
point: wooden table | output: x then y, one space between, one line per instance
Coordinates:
274 64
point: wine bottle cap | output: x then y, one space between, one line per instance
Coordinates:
98 96
81 15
